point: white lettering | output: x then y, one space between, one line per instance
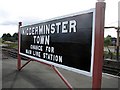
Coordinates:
49 49
64 27
58 26
52 28
72 26
47 29
43 39
52 57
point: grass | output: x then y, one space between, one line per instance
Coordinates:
0 41
10 45
107 55
13 45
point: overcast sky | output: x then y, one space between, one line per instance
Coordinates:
34 11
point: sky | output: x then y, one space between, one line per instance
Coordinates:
35 11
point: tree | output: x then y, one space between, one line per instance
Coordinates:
15 36
4 37
8 37
107 43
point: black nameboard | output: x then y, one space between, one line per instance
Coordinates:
66 42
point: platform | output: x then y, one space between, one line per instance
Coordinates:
37 75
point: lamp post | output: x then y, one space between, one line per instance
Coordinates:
118 43
118 31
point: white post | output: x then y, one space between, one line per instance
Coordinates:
118 32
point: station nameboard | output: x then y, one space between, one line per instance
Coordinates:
66 42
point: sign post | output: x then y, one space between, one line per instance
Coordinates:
70 42
19 57
99 44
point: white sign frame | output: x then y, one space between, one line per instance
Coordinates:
63 66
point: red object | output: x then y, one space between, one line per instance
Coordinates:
20 67
19 57
99 44
55 69
24 64
61 76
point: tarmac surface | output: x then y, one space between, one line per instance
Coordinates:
37 75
